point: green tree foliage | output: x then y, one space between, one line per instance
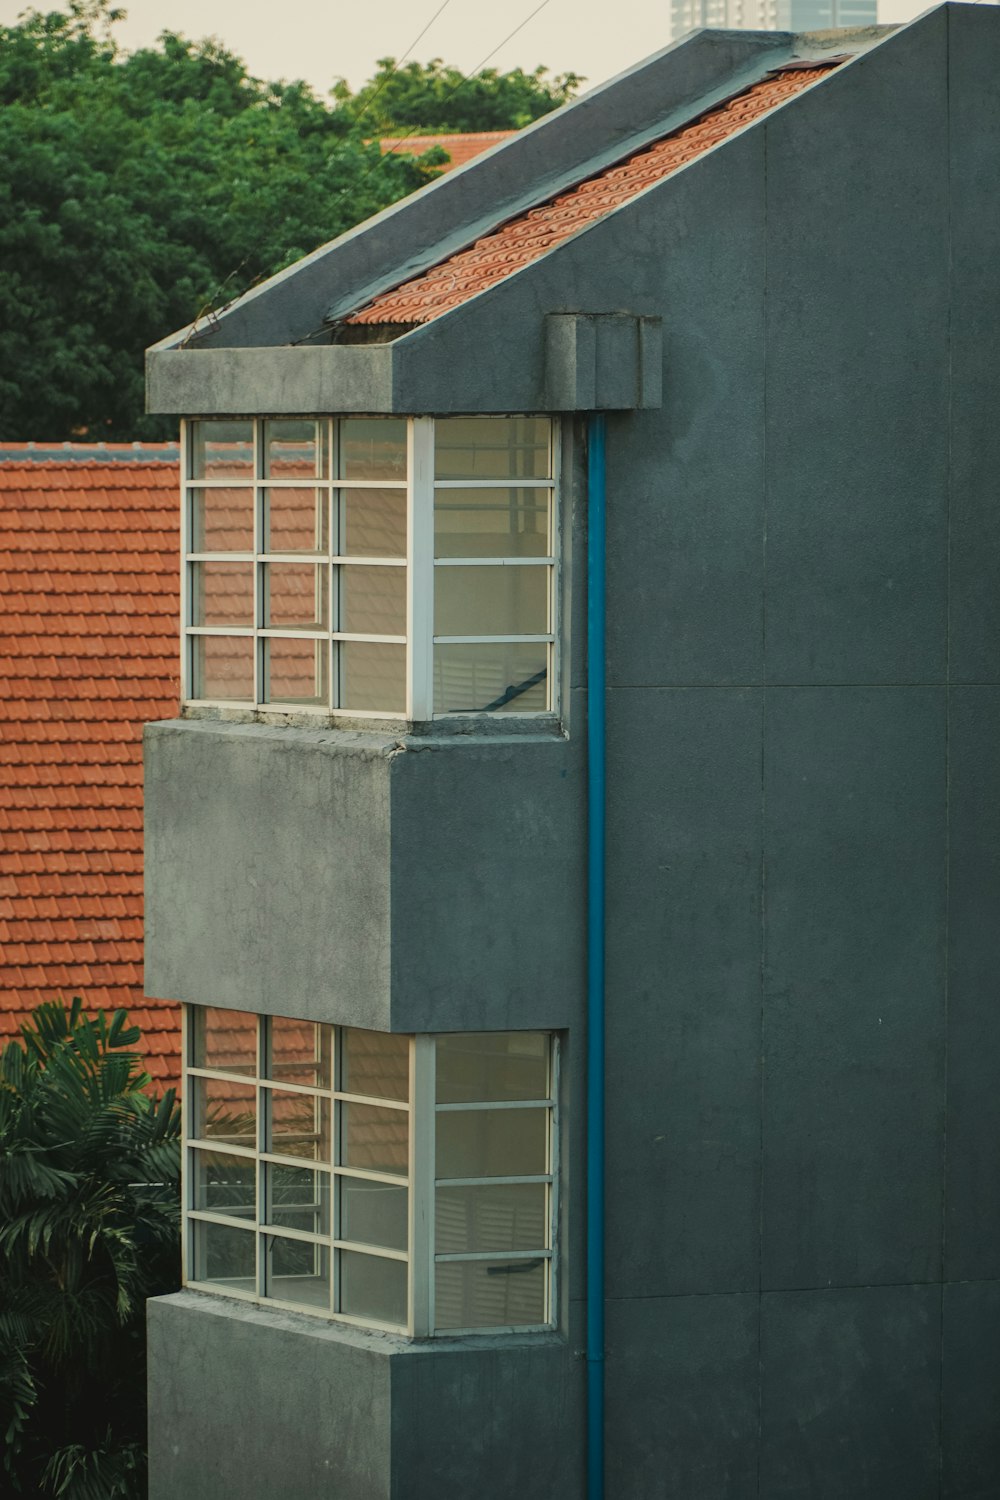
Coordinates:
88 1230
139 191
136 192
434 97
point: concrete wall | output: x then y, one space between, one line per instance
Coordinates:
404 884
264 1404
804 1220
261 1405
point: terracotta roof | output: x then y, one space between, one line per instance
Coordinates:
460 148
88 580
531 234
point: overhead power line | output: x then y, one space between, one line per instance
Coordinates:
401 60
212 316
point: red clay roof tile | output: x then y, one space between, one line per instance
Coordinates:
460 148
88 573
531 234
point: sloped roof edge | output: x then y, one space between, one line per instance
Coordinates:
537 162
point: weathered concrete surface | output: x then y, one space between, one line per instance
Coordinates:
490 1423
259 1405
267 870
406 884
487 925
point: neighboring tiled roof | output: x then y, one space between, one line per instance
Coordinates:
460 148
89 600
540 229
88 453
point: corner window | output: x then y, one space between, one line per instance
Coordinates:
370 567
405 1183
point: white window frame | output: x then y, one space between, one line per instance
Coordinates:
421 1256
419 562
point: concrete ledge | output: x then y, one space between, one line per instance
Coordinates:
392 882
257 1404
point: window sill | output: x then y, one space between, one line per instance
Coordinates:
545 726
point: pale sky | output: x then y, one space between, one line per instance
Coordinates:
320 40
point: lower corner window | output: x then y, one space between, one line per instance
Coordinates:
405 1183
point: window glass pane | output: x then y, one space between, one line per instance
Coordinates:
376 1139
491 448
295 672
225 1255
295 596
372 677
492 1142
221 593
503 678
293 449
300 1125
479 1067
506 1217
221 520
299 1198
223 1039
373 448
222 668
295 520
491 601
224 1184
300 1052
298 1272
221 450
371 1287
375 1063
224 1111
374 523
484 1294
372 601
373 1213
491 523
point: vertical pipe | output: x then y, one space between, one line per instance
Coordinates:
596 614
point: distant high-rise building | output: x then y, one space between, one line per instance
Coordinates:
770 15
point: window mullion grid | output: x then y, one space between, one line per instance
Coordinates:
187 676
420 569
548 486
336 530
263 1144
421 1199
336 1136
552 1191
187 1177
555 521
259 682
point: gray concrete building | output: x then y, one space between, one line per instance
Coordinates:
745 294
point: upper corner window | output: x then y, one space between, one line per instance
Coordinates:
371 566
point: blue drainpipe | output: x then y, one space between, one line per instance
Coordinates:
596 783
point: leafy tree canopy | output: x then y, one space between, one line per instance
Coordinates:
434 97
137 191
88 1230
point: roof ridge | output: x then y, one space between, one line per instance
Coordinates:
76 453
